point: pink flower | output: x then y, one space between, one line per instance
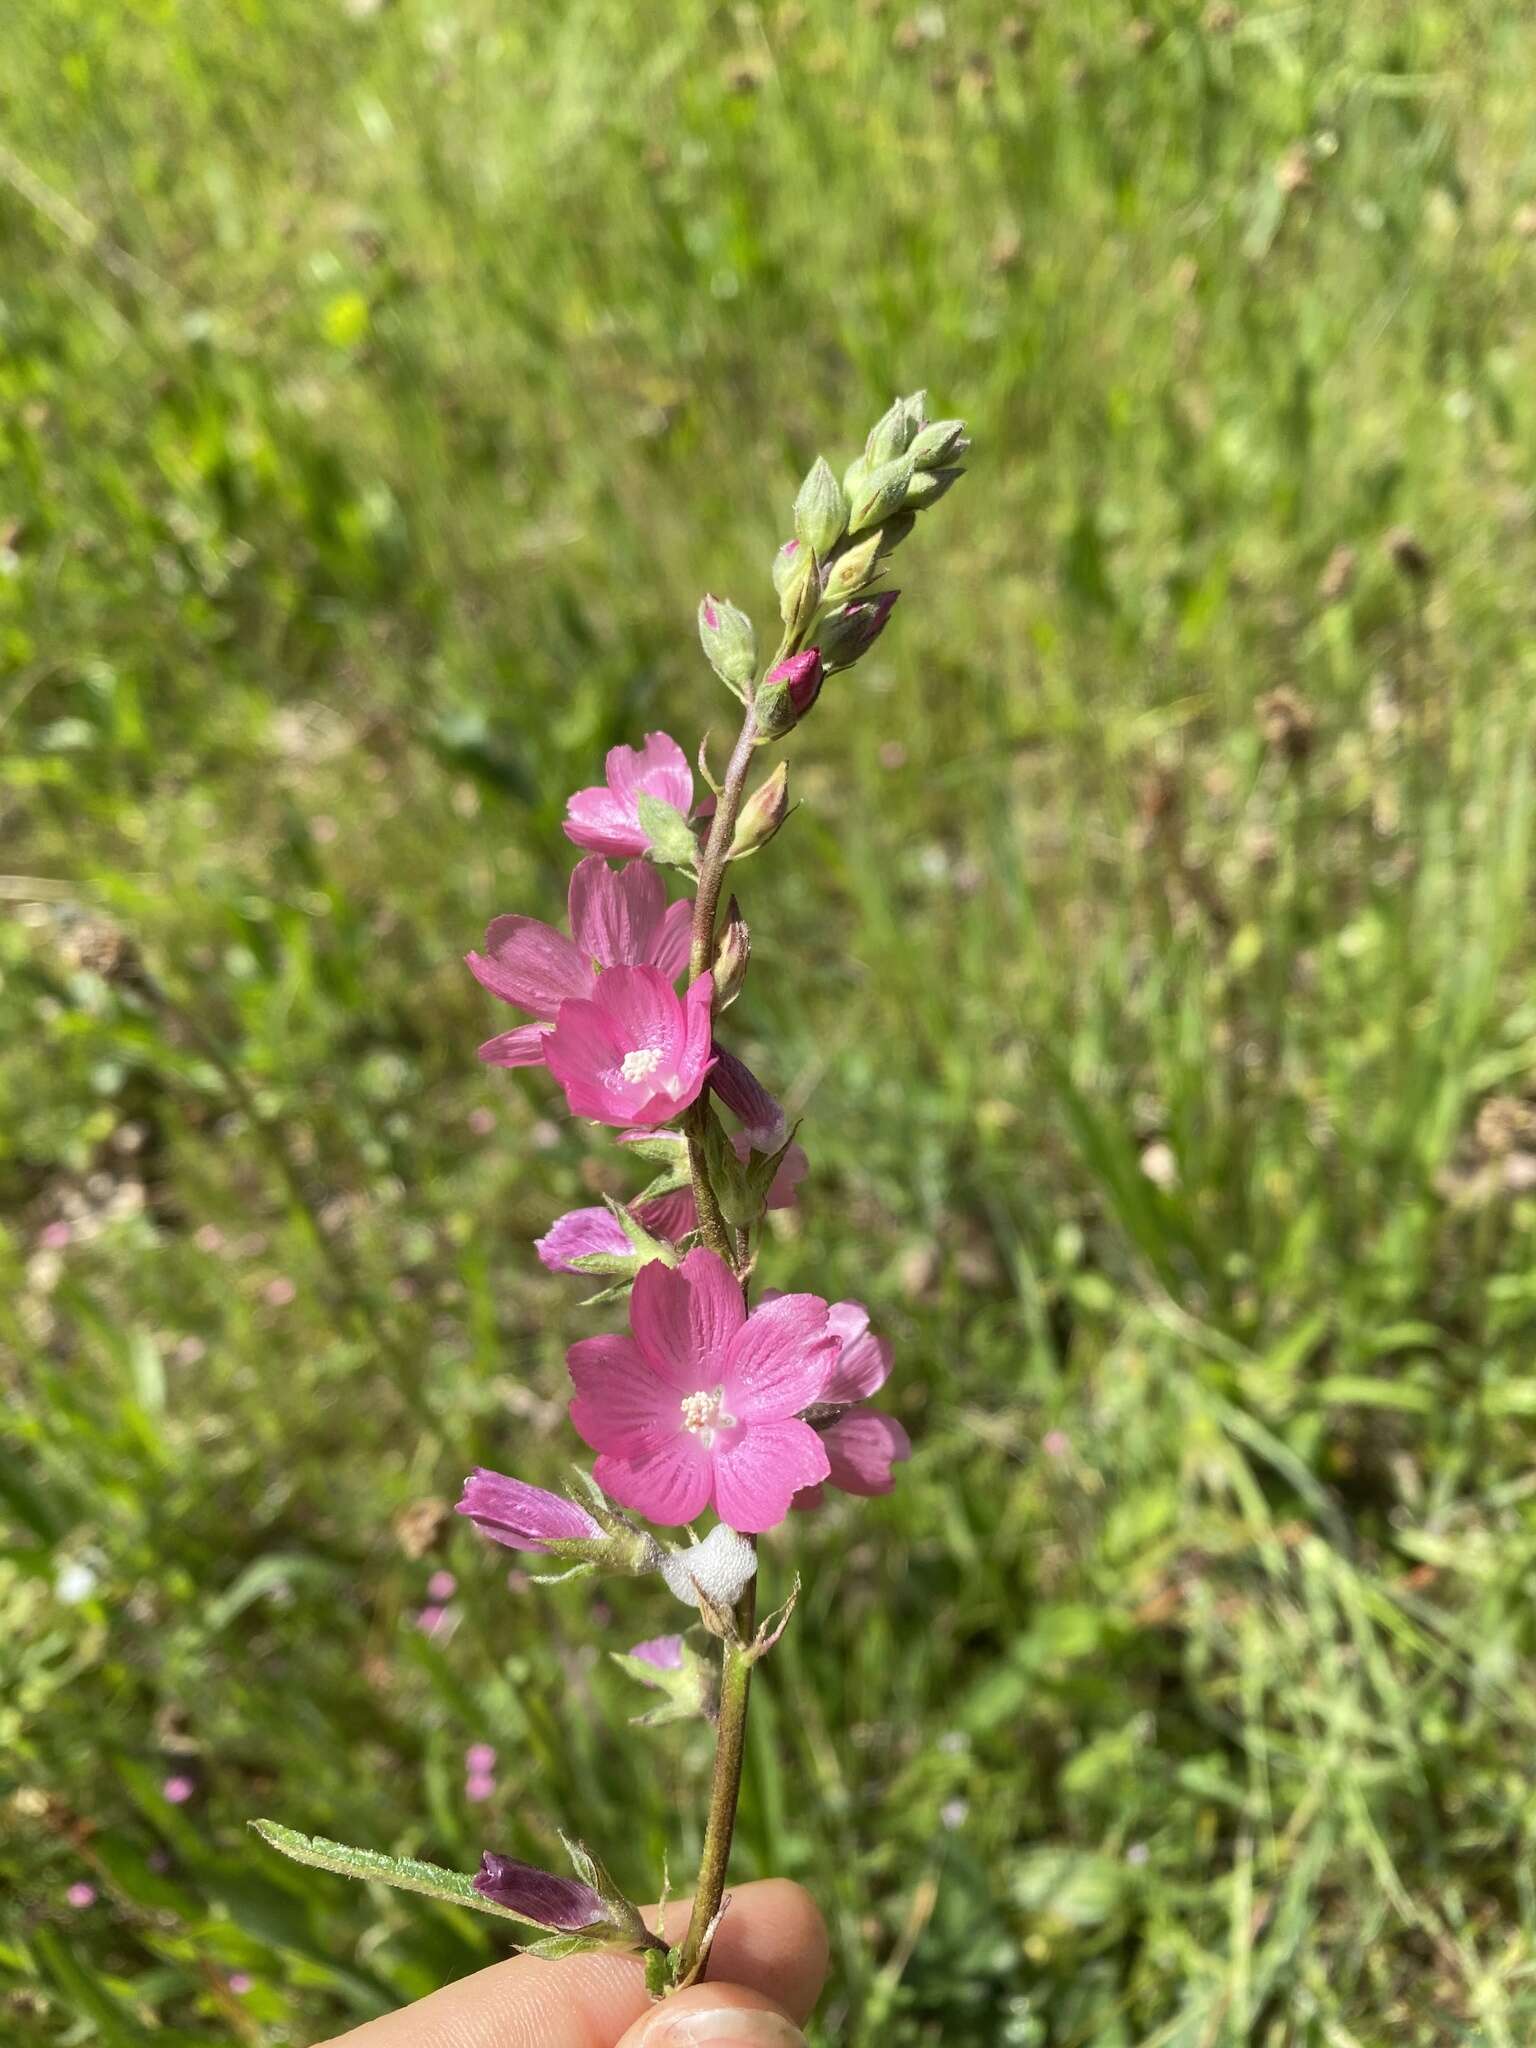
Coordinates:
634 1053
56 1237
479 1759
80 1895
587 1233
442 1586
432 1620
178 1790
665 1652
280 1292
558 1902
522 1517
861 1444
479 1785
617 920
239 1982
606 819
701 1403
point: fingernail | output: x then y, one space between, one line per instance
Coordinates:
727 2027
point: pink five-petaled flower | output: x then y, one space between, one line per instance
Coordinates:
520 1516
585 1233
534 1895
606 818
701 1403
617 920
634 1053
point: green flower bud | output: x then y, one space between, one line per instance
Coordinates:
851 568
731 957
728 641
884 492
944 442
821 510
762 814
929 485
892 433
800 598
785 563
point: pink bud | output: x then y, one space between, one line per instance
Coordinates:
802 673
178 1790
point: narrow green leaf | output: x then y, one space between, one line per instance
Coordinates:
404 1872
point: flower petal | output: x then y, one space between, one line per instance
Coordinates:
670 1216
530 965
581 1233
642 1013
674 937
669 1485
780 1359
615 918
684 1318
759 1470
861 1450
620 1404
523 1047
603 823
864 1363
660 768
581 1052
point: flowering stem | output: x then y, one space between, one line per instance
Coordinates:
724 1788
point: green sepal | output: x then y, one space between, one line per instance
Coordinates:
405 1873
555 1947
728 1177
671 836
660 1969
884 491
601 1299
658 1145
646 1247
761 1168
672 1182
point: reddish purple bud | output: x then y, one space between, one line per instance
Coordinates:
665 1652
802 673
556 1902
853 630
523 1517
740 1090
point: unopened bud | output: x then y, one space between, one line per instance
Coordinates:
851 632
892 433
762 814
728 641
884 491
821 510
928 486
800 594
944 442
785 563
787 692
852 567
731 957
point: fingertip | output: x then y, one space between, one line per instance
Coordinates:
715 2016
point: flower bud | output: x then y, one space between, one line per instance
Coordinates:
928 486
892 433
884 491
785 563
800 595
559 1903
787 692
943 442
851 632
851 568
731 958
821 510
762 814
728 641
527 1518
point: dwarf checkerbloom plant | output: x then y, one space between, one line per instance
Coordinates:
723 1406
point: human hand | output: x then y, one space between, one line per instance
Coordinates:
766 1972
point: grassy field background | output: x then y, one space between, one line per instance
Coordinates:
1150 958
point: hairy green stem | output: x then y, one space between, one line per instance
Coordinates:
724 1789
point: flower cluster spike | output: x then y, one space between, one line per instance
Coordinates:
711 1403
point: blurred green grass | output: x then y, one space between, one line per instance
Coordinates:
381 386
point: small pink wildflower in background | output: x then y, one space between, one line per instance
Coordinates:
80 1895
480 1757
55 1236
616 920
606 819
442 1586
208 1238
479 1785
239 1982
634 1053
178 1789
481 1121
1055 1443
701 1403
280 1292
431 1620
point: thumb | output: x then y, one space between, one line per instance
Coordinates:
714 2016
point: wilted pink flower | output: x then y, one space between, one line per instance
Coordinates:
584 1233
479 1758
536 1896
617 920
702 1402
80 1895
634 1053
178 1790
861 1444
764 1124
522 1517
665 1652
479 1785
606 819
442 1586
